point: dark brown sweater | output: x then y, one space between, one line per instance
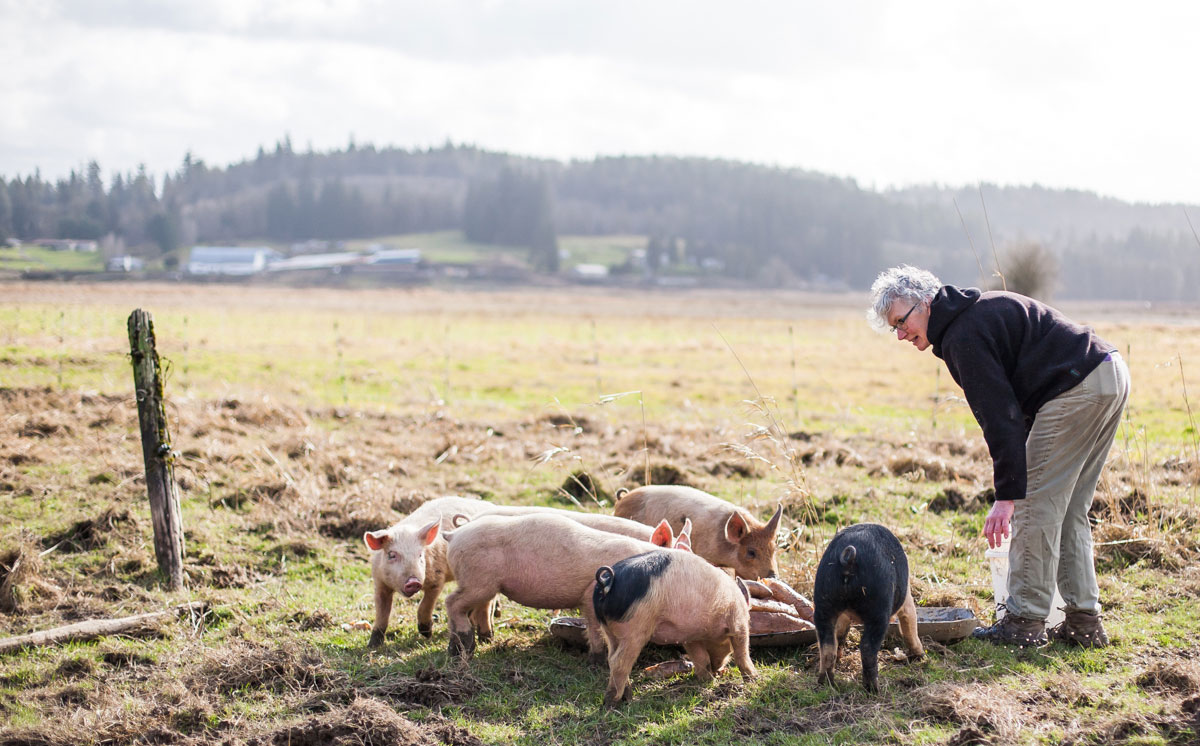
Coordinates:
1010 354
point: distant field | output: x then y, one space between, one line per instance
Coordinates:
29 257
452 248
302 418
449 247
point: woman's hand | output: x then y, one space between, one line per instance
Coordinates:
999 519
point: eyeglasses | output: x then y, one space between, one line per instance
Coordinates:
904 318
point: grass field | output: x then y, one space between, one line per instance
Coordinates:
303 418
40 258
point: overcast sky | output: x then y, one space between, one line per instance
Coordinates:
1101 96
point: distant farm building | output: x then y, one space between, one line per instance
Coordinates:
316 262
401 265
230 260
395 257
125 263
589 272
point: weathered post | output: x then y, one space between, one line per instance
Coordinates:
156 449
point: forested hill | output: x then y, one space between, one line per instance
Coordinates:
756 223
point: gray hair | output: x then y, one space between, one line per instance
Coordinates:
899 282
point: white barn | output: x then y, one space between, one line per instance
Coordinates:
230 260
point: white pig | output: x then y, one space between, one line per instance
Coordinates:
539 560
410 556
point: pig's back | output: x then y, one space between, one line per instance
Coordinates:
653 503
539 559
447 508
705 603
675 504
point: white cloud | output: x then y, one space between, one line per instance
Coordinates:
1092 96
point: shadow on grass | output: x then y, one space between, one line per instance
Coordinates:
534 683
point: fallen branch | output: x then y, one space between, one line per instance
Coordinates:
93 628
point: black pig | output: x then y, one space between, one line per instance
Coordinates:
863 578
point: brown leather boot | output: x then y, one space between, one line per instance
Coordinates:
1014 630
1081 628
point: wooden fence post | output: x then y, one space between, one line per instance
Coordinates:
156 449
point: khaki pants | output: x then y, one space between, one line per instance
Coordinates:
1065 451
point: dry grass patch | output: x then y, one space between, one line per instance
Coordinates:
247 665
988 710
365 721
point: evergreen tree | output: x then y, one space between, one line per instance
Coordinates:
6 224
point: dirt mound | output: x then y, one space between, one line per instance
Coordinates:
19 571
1174 675
740 468
260 414
364 721
253 666
578 423
581 487
1126 507
952 499
351 519
931 468
660 473
91 533
431 687
1119 545
975 707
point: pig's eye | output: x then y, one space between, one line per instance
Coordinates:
751 553
421 561
392 556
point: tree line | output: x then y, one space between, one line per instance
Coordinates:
760 224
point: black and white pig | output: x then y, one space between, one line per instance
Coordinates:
671 598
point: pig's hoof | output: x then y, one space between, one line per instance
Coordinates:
376 638
611 700
597 658
462 644
426 630
485 636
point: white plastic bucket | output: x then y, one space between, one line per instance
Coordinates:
998 559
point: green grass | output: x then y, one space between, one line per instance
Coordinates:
303 418
32 257
447 247
606 250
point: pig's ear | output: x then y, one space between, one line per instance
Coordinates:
662 534
376 540
427 534
683 542
773 524
736 528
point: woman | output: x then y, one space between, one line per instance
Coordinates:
1048 394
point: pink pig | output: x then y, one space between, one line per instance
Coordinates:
671 598
726 535
410 556
543 561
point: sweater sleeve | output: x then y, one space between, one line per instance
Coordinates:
976 366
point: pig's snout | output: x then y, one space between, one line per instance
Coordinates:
412 586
